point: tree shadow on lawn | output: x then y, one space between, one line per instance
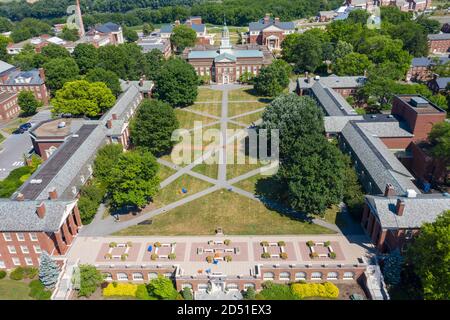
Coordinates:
269 190
252 92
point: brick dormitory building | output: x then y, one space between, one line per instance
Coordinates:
43 214
388 157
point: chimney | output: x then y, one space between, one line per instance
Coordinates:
389 191
188 23
365 73
400 207
267 18
109 124
52 194
114 116
20 197
277 20
141 82
42 74
40 210
177 22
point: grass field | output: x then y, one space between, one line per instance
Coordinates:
187 119
236 214
246 94
14 290
212 108
209 95
235 109
250 118
165 172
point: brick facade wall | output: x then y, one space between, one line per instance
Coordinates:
439 46
9 108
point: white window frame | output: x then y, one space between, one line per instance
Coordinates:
28 261
346 275
24 249
20 238
334 275
37 249
12 249
303 277
266 278
283 277
7 236
314 275
16 261
137 276
120 276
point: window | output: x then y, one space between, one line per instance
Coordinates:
300 276
152 275
24 249
232 287
349 275
138 276
268 276
20 236
7 236
168 275
408 234
285 276
28 261
202 287
186 285
107 276
2 264
332 276
16 261
121 276
249 285
12 249
316 276
37 249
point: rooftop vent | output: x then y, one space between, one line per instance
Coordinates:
410 193
317 78
418 102
62 124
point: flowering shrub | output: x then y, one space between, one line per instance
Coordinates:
120 289
333 255
209 259
172 256
227 242
322 290
281 243
310 243
265 255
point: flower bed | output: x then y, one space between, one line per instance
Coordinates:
316 290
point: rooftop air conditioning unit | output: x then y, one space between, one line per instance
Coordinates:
410 193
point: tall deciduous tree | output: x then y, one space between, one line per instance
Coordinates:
48 270
108 77
134 180
182 37
53 51
83 98
353 64
107 157
147 28
162 288
439 138
273 79
69 34
153 127
89 280
59 71
429 255
86 56
4 41
28 103
176 83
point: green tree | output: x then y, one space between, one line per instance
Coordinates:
70 34
250 294
147 29
288 46
341 49
413 36
108 77
4 41
430 25
358 16
439 138
28 103
5 24
273 79
134 180
432 265
59 71
48 270
91 195
28 28
90 280
162 288
86 56
353 64
155 60
187 293
307 53
53 51
129 34
83 98
153 127
182 37
26 59
107 157
176 83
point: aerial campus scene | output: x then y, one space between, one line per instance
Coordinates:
224 150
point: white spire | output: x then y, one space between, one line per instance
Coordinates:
225 42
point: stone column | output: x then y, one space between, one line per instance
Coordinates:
60 242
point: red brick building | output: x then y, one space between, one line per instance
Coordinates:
195 23
226 64
269 32
27 228
15 81
9 107
422 68
439 43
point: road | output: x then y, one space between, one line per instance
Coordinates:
16 145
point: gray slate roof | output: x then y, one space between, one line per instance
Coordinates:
442 82
333 82
108 27
232 54
168 28
31 77
22 216
260 25
5 67
335 124
379 163
439 36
426 62
423 208
332 102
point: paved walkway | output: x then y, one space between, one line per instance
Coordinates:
103 227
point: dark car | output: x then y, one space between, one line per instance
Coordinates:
19 131
25 126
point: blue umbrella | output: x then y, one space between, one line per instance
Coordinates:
150 248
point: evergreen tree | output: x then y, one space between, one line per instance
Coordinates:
48 270
392 268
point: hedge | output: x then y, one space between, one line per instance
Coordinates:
38 291
23 272
309 290
2 274
120 289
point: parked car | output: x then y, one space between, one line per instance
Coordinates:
25 126
19 131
